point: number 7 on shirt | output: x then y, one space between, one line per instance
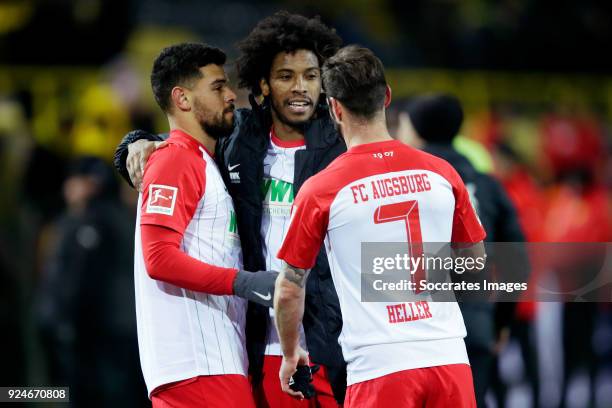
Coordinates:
407 211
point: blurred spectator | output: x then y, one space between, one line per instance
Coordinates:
85 305
13 366
15 144
527 198
574 207
100 117
577 211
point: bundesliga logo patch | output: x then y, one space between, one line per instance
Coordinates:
161 199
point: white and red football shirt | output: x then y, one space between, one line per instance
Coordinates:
343 206
185 333
277 186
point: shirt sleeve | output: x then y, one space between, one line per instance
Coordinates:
307 228
467 228
166 262
174 182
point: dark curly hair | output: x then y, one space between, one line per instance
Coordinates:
282 32
179 64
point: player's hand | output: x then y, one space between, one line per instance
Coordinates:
289 367
138 154
301 380
257 287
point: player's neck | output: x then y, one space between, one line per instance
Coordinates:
358 133
195 131
284 131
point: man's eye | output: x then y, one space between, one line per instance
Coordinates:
285 77
312 76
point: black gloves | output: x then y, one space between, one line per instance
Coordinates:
301 381
257 287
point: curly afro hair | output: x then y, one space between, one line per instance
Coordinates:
282 32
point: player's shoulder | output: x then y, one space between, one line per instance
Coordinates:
175 161
326 182
329 181
177 152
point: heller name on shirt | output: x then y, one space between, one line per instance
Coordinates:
390 186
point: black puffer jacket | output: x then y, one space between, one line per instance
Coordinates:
240 158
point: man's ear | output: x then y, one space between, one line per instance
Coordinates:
388 96
264 86
335 109
180 99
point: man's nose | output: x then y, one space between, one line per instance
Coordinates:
299 85
230 97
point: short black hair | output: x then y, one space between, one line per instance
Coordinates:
437 118
282 32
179 64
356 77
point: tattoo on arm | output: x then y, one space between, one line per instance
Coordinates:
295 275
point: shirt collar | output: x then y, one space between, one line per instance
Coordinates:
286 144
375 146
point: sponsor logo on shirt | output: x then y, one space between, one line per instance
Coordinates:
233 225
278 196
161 199
232 229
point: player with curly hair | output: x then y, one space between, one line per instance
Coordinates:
280 59
285 138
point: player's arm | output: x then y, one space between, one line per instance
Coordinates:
289 306
181 179
132 154
166 262
289 299
309 220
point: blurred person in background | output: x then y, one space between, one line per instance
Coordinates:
528 198
284 139
432 122
15 262
85 294
577 210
